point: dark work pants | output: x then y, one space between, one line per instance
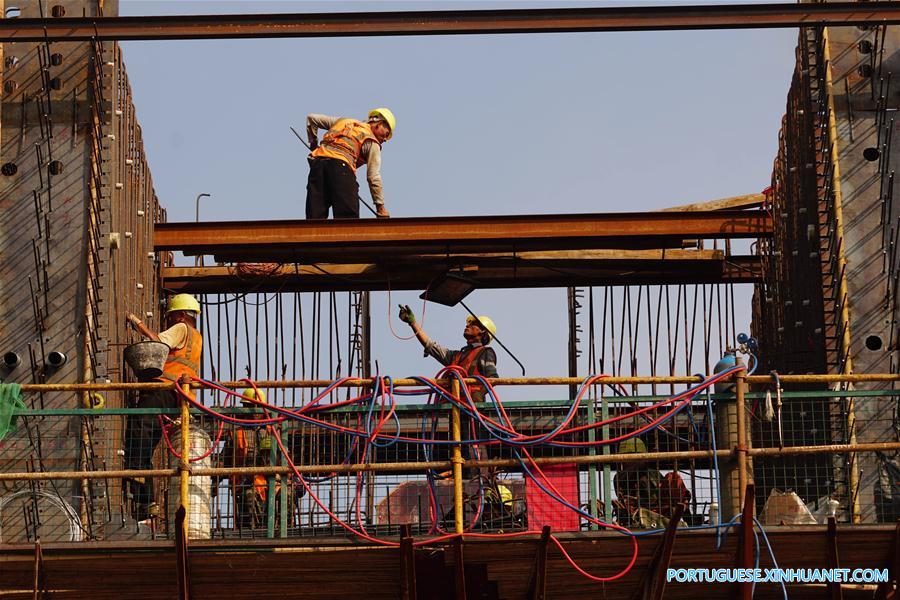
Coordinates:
142 434
332 184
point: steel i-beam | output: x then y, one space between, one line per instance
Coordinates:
546 20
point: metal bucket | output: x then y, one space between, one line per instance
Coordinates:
146 359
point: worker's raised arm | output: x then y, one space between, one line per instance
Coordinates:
315 122
372 153
141 328
407 316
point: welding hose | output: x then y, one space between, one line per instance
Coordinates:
492 426
555 494
299 414
373 435
349 528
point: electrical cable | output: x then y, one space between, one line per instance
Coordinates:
369 431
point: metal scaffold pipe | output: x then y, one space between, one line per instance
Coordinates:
457 460
399 467
185 465
500 381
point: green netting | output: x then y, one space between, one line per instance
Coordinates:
10 402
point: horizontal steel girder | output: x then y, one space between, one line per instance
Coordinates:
527 270
547 20
367 240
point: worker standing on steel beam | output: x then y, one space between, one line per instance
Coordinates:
347 145
144 432
476 358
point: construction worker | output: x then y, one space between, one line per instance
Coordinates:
348 145
475 358
144 431
645 497
250 447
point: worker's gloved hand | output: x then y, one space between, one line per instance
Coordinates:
132 318
184 380
406 315
381 211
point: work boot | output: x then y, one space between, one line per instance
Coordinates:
141 512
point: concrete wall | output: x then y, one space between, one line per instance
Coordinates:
74 179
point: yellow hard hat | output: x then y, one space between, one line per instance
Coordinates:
487 322
506 496
504 493
251 393
633 446
183 302
385 115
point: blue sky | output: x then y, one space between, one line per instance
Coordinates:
486 125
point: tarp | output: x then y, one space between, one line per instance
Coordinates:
543 509
10 402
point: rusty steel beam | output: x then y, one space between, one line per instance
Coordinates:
408 276
544 20
366 240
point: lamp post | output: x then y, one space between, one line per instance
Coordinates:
198 261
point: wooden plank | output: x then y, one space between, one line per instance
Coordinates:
657 572
730 203
335 566
407 564
538 586
39 585
460 568
182 565
834 589
746 541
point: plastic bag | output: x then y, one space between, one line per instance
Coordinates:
786 508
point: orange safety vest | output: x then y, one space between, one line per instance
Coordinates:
261 486
185 359
466 360
344 142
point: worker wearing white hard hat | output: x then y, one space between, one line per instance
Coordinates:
143 432
347 145
475 358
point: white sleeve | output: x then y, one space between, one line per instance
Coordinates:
175 336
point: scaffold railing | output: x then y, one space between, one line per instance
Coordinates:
372 463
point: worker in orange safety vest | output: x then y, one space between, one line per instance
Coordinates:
143 432
475 358
347 145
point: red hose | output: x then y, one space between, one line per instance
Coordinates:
386 414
